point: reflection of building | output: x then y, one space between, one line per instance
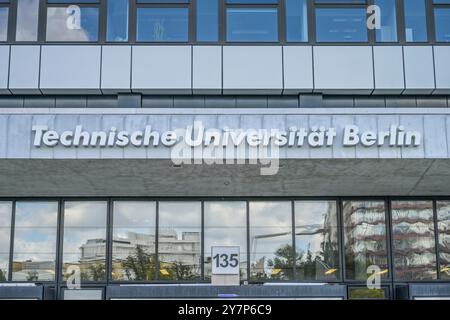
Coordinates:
413 239
33 270
365 237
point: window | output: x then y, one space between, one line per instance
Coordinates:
316 241
84 241
133 248
207 20
365 242
179 241
415 21
443 219
442 20
252 20
76 21
341 21
388 21
35 241
296 20
4 18
271 249
163 21
413 240
5 236
27 20
117 20
225 224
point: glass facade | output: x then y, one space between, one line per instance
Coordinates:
241 21
171 241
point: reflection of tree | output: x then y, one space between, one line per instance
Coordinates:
140 266
177 271
33 276
283 261
96 272
2 275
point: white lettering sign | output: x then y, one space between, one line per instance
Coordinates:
197 135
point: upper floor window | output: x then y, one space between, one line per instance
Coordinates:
341 21
252 20
162 21
69 20
4 18
442 20
415 21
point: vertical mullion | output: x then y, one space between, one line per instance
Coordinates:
391 240
311 22
11 240
192 23
281 14
430 21
202 236
401 22
102 21
388 240
156 275
436 239
341 244
132 21
371 34
294 250
248 239
42 21
12 21
59 248
109 240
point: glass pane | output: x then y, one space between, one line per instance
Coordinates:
252 25
365 240
64 24
442 21
27 20
207 20
271 251
341 25
443 209
413 240
179 248
415 20
133 256
316 240
388 31
84 243
226 225
4 23
5 236
162 24
35 241
297 20
117 20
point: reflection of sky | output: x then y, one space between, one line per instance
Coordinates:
180 217
36 214
134 214
57 29
3 24
5 229
35 231
314 212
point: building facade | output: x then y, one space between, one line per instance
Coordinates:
135 135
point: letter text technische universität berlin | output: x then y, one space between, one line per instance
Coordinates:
197 135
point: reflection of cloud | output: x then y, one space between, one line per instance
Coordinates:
179 214
270 214
36 214
85 214
225 214
5 214
57 29
27 20
314 212
134 214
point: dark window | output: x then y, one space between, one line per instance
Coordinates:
443 215
35 241
133 247
179 241
252 20
163 21
225 225
365 243
5 236
72 21
84 243
316 241
271 250
414 247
